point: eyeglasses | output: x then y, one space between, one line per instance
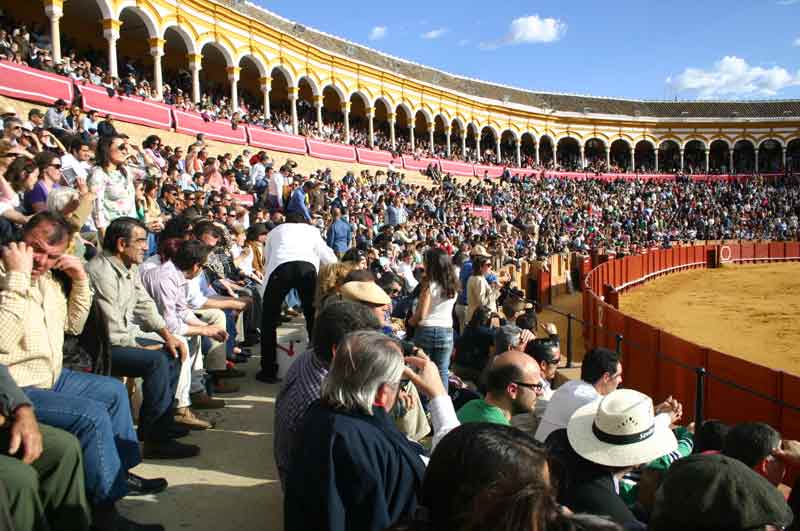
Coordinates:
122 147
537 387
58 166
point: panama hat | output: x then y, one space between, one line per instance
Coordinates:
367 292
479 250
620 430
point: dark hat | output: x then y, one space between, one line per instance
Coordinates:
715 492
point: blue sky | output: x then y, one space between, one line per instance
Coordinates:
749 49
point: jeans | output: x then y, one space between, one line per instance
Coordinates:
437 342
159 372
292 299
96 410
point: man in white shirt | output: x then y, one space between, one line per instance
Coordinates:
406 269
601 373
75 164
277 180
293 252
258 173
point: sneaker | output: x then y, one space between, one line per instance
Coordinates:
264 377
223 387
138 485
184 416
201 400
169 449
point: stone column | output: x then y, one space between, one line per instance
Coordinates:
54 11
555 153
497 147
447 132
519 154
346 113
371 125
582 157
111 34
681 150
318 105
157 51
608 158
783 163
233 77
392 134
195 65
730 167
536 154
430 136
463 145
293 104
756 154
655 151
266 86
708 161
632 168
411 136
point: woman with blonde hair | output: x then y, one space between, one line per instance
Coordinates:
329 280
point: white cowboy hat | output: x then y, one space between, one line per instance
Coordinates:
620 430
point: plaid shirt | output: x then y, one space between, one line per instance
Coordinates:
34 315
301 388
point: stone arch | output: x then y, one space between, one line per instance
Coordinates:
568 150
594 151
107 10
770 155
257 61
509 140
209 40
744 155
286 71
527 148
332 99
547 150
620 153
719 155
694 155
644 156
793 154
149 21
669 155
312 83
251 71
186 34
693 139
488 142
281 81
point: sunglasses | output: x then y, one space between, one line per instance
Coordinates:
122 147
56 166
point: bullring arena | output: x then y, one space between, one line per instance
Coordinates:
249 80
749 311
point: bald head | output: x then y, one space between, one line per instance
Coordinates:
514 379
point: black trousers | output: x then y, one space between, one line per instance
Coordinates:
301 276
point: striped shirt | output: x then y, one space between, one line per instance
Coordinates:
34 316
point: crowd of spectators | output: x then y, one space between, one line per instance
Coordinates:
429 396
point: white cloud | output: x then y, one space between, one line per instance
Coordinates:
731 76
787 2
434 33
377 33
797 41
530 30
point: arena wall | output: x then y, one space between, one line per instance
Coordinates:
661 364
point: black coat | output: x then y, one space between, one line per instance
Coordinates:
350 472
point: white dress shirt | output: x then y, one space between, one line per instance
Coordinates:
295 242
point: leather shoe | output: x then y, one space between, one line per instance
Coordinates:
138 485
230 372
223 387
186 417
201 400
169 449
263 377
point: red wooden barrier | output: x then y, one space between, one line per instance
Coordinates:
277 141
762 251
29 84
192 123
747 252
777 250
128 109
733 405
331 151
639 349
676 380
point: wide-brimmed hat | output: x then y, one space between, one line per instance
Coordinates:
620 430
479 250
367 292
8 109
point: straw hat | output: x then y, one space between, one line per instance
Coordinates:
367 292
8 109
620 430
480 250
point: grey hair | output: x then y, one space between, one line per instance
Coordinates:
60 197
364 361
507 337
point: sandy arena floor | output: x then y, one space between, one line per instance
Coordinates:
749 311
